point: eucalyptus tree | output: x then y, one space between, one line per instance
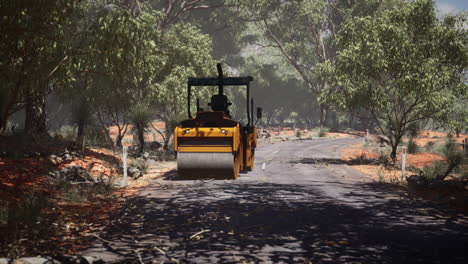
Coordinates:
302 31
32 57
118 58
403 66
186 52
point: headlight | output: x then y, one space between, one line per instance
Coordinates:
186 131
224 131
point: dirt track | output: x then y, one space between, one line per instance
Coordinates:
306 205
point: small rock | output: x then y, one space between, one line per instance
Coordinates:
417 181
134 173
67 157
72 174
155 145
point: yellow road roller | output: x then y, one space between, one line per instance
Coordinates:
212 144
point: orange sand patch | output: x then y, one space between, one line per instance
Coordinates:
420 160
128 137
18 177
427 135
380 172
357 151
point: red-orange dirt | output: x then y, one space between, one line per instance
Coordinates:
128 137
378 172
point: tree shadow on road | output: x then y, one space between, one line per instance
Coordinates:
336 161
232 222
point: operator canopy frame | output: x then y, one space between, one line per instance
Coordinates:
220 102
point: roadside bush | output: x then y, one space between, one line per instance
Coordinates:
82 192
140 164
412 147
68 133
454 156
322 132
429 147
464 175
95 137
298 133
383 159
23 221
163 154
432 172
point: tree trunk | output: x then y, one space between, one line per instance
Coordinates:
36 117
118 141
393 154
121 133
81 128
323 115
351 119
141 139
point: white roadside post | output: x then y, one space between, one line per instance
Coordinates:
403 163
124 160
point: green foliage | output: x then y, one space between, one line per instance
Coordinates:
298 133
140 116
95 137
33 51
439 170
429 147
322 132
140 164
452 153
278 90
381 69
434 170
67 132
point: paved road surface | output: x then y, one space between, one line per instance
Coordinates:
306 206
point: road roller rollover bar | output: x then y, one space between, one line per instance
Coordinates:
212 144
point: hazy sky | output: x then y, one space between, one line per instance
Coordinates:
448 6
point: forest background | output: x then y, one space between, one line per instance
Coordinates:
391 66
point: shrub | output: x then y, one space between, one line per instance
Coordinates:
298 133
95 137
412 146
67 133
433 171
163 154
322 132
454 156
429 147
382 159
140 164
413 130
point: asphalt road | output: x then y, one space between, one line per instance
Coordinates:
301 204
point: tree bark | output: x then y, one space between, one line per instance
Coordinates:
36 116
81 128
323 115
141 139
